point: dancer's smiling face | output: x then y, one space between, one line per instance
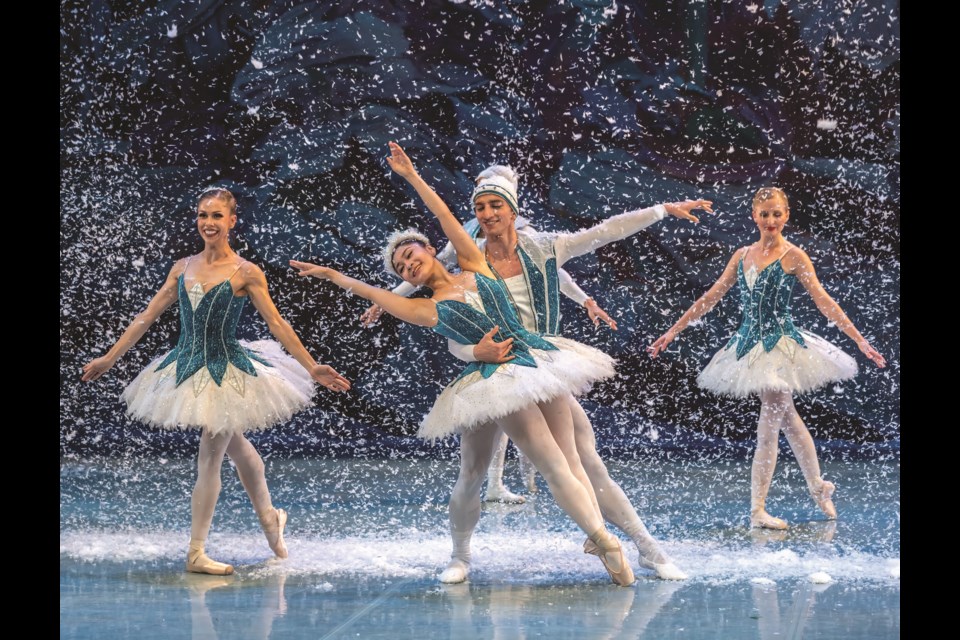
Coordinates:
494 214
414 262
771 215
215 218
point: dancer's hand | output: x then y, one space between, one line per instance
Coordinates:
400 162
371 315
328 377
872 354
489 350
660 344
309 269
682 209
96 368
597 314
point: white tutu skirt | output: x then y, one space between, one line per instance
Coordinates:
474 400
240 403
786 367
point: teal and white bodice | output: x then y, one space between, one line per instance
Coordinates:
467 324
208 344
765 298
542 255
541 276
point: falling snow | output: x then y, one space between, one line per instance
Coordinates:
601 108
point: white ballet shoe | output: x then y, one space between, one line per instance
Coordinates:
273 523
499 493
456 572
760 519
824 499
669 571
199 562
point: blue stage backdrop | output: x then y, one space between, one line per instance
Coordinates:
601 107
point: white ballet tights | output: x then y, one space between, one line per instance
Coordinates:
476 448
614 504
546 444
777 412
529 430
206 491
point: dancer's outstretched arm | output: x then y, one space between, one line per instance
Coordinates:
419 311
701 307
799 263
469 254
255 283
571 245
165 297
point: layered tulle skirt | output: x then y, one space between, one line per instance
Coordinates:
241 402
789 366
473 400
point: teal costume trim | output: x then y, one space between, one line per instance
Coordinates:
544 285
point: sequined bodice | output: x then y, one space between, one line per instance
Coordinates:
467 323
208 326
765 299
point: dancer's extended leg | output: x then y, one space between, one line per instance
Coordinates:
801 442
529 431
560 421
250 468
614 503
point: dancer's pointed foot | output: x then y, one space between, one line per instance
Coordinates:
274 521
824 499
669 571
199 562
606 547
760 519
456 572
499 493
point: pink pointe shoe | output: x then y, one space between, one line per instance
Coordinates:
824 499
273 523
606 547
199 562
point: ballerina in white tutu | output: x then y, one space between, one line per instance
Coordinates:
213 382
769 356
496 490
526 394
528 265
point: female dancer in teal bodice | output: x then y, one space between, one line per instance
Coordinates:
496 490
216 383
525 396
769 356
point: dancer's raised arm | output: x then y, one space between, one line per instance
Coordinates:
469 254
